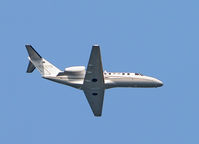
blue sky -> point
(156, 38)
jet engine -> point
(75, 71)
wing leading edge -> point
(93, 86)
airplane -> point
(93, 81)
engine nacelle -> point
(75, 71)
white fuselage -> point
(111, 80)
(93, 81)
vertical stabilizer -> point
(42, 65)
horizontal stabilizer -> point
(30, 68)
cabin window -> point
(128, 73)
(109, 73)
(123, 73)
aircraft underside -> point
(93, 81)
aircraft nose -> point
(158, 83)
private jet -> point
(93, 81)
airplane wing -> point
(95, 101)
(93, 86)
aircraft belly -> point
(76, 83)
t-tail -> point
(43, 66)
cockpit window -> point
(138, 74)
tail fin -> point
(42, 65)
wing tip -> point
(95, 45)
(97, 115)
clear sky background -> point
(155, 38)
